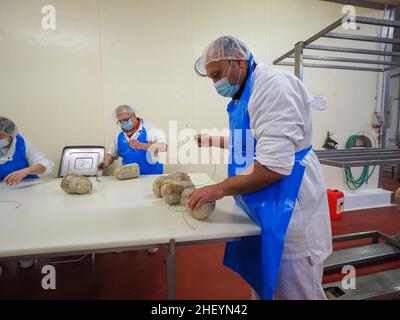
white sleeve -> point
(113, 149)
(277, 122)
(34, 157)
(154, 134)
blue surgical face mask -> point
(127, 125)
(4, 143)
(224, 88)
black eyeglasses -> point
(124, 120)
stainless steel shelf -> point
(297, 51)
(367, 60)
(347, 158)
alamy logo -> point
(49, 18)
(49, 280)
(349, 21)
(349, 280)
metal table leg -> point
(171, 281)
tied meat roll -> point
(203, 212)
(76, 184)
(171, 191)
(128, 171)
(175, 189)
(160, 181)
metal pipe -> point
(350, 60)
(171, 275)
(357, 151)
(360, 3)
(345, 36)
(331, 66)
(377, 22)
(393, 68)
(283, 57)
(298, 60)
(356, 236)
(315, 37)
(353, 50)
(386, 87)
(324, 31)
(366, 157)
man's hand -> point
(203, 195)
(103, 165)
(135, 144)
(203, 140)
(108, 160)
(206, 141)
(16, 177)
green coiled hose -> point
(352, 182)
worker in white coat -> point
(20, 160)
(138, 141)
(273, 174)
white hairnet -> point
(225, 48)
(8, 127)
(124, 108)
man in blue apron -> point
(138, 141)
(273, 174)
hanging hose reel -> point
(358, 141)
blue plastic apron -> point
(257, 258)
(18, 161)
(130, 155)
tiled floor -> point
(200, 273)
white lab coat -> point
(301, 281)
(280, 117)
(32, 153)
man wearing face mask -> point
(273, 175)
(19, 159)
(138, 142)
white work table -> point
(123, 215)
